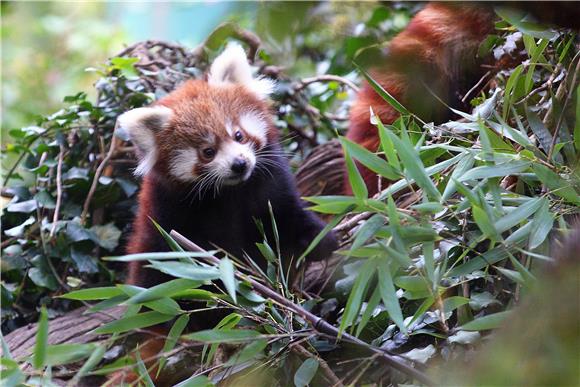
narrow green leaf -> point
(247, 353)
(144, 376)
(305, 372)
(556, 184)
(499, 170)
(389, 296)
(369, 159)
(357, 294)
(490, 321)
(93, 360)
(414, 166)
(541, 225)
(228, 277)
(510, 84)
(163, 290)
(168, 238)
(322, 234)
(454, 302)
(387, 146)
(172, 337)
(484, 223)
(90, 294)
(41, 343)
(267, 252)
(368, 230)
(159, 256)
(142, 320)
(223, 335)
(196, 381)
(520, 214)
(369, 308)
(383, 93)
(464, 164)
(68, 353)
(355, 179)
(187, 270)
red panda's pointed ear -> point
(139, 125)
(232, 67)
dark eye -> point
(238, 136)
(209, 153)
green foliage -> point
(437, 259)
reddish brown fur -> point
(439, 44)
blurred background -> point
(48, 46)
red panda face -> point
(205, 133)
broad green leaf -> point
(518, 215)
(389, 296)
(163, 290)
(490, 321)
(228, 277)
(368, 230)
(556, 184)
(454, 302)
(369, 159)
(247, 353)
(305, 372)
(516, 17)
(103, 293)
(68, 353)
(541, 225)
(484, 222)
(138, 321)
(513, 275)
(223, 335)
(464, 164)
(41, 343)
(499, 170)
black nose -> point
(239, 166)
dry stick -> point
(327, 78)
(317, 323)
(562, 113)
(95, 183)
(58, 191)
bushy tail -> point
(433, 55)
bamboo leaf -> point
(382, 92)
(369, 159)
(163, 290)
(90, 294)
(357, 294)
(305, 372)
(41, 343)
(142, 320)
(227, 275)
(389, 296)
(490, 321)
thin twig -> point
(326, 78)
(476, 86)
(58, 191)
(95, 183)
(317, 323)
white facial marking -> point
(182, 165)
(228, 152)
(139, 125)
(255, 125)
(230, 128)
(232, 67)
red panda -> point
(211, 166)
(211, 162)
(434, 53)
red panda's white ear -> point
(139, 125)
(232, 67)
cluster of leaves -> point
(437, 259)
